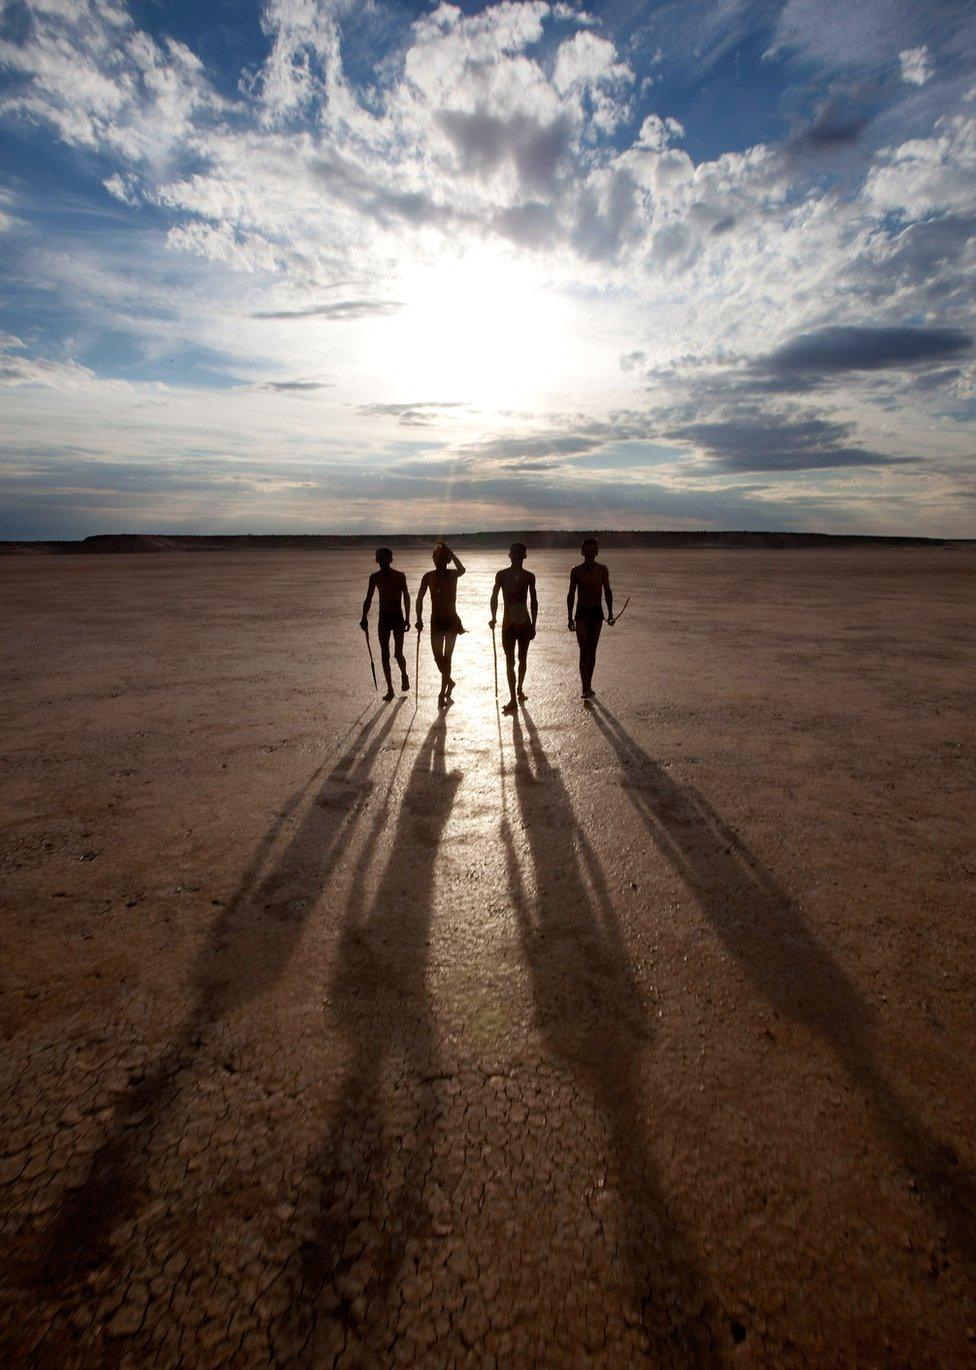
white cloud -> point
(16, 369)
(916, 66)
(927, 175)
(103, 83)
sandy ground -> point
(341, 1029)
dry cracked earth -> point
(337, 1032)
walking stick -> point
(416, 670)
(372, 665)
(494, 653)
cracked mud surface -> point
(342, 1032)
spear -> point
(416, 672)
(494, 653)
(372, 664)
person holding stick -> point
(444, 622)
(394, 616)
(589, 583)
(518, 628)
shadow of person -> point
(375, 1160)
(782, 959)
(246, 951)
(589, 1007)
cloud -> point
(47, 373)
(840, 348)
(415, 414)
(927, 175)
(755, 440)
(485, 141)
(291, 387)
(334, 309)
(101, 82)
(344, 179)
(916, 65)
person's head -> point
(517, 553)
(590, 548)
(440, 555)
(384, 557)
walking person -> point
(394, 615)
(444, 622)
(516, 585)
(589, 584)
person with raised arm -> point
(444, 622)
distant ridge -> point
(108, 543)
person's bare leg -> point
(437, 647)
(582, 638)
(449, 641)
(594, 639)
(385, 660)
(400, 660)
(509, 648)
(523, 663)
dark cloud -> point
(532, 225)
(630, 361)
(412, 414)
(605, 223)
(292, 387)
(755, 441)
(544, 445)
(931, 261)
(829, 131)
(850, 348)
(337, 309)
(483, 141)
(935, 380)
(351, 185)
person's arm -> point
(367, 602)
(494, 599)
(570, 598)
(533, 600)
(460, 568)
(420, 602)
(608, 593)
(406, 601)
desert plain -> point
(337, 1031)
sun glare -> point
(481, 329)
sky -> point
(335, 266)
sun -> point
(482, 329)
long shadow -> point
(247, 949)
(589, 1006)
(375, 1159)
(783, 960)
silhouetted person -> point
(518, 625)
(588, 583)
(444, 622)
(394, 616)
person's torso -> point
(389, 585)
(589, 583)
(515, 590)
(443, 591)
